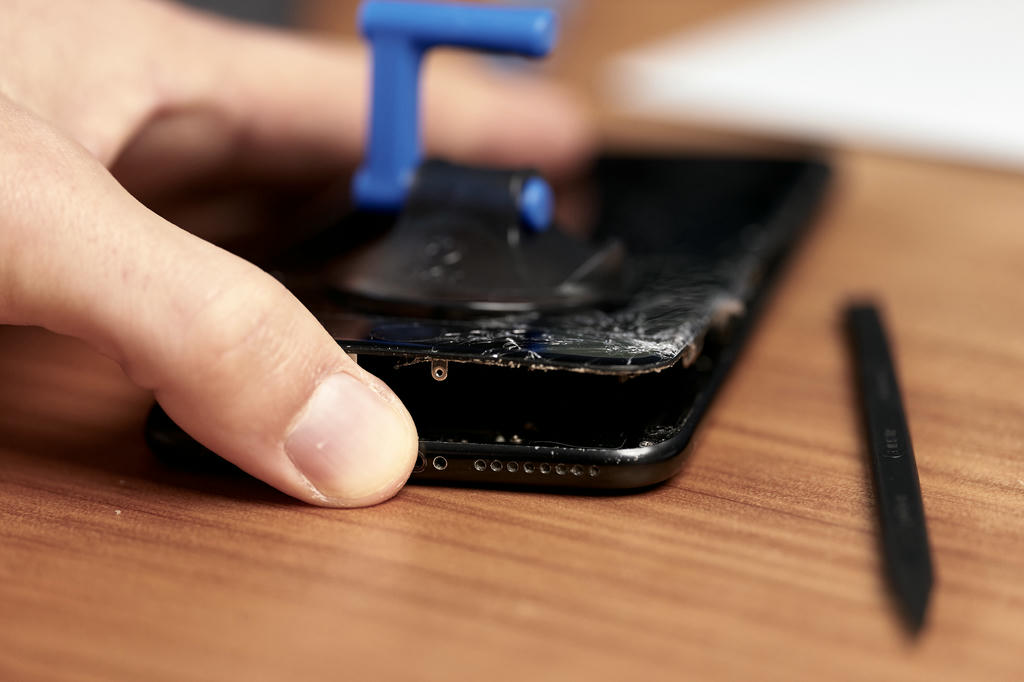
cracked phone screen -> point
(699, 234)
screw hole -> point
(480, 465)
(496, 465)
(440, 463)
(512, 467)
(529, 467)
(421, 464)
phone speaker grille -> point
(498, 467)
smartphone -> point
(603, 398)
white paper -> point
(940, 77)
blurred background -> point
(279, 12)
(928, 78)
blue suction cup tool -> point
(466, 239)
(400, 33)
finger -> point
(291, 105)
(229, 353)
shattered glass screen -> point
(699, 234)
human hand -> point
(101, 97)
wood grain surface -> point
(760, 561)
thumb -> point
(231, 355)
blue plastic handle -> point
(400, 33)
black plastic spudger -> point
(897, 488)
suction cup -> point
(461, 248)
(466, 240)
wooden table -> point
(760, 561)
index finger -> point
(294, 101)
